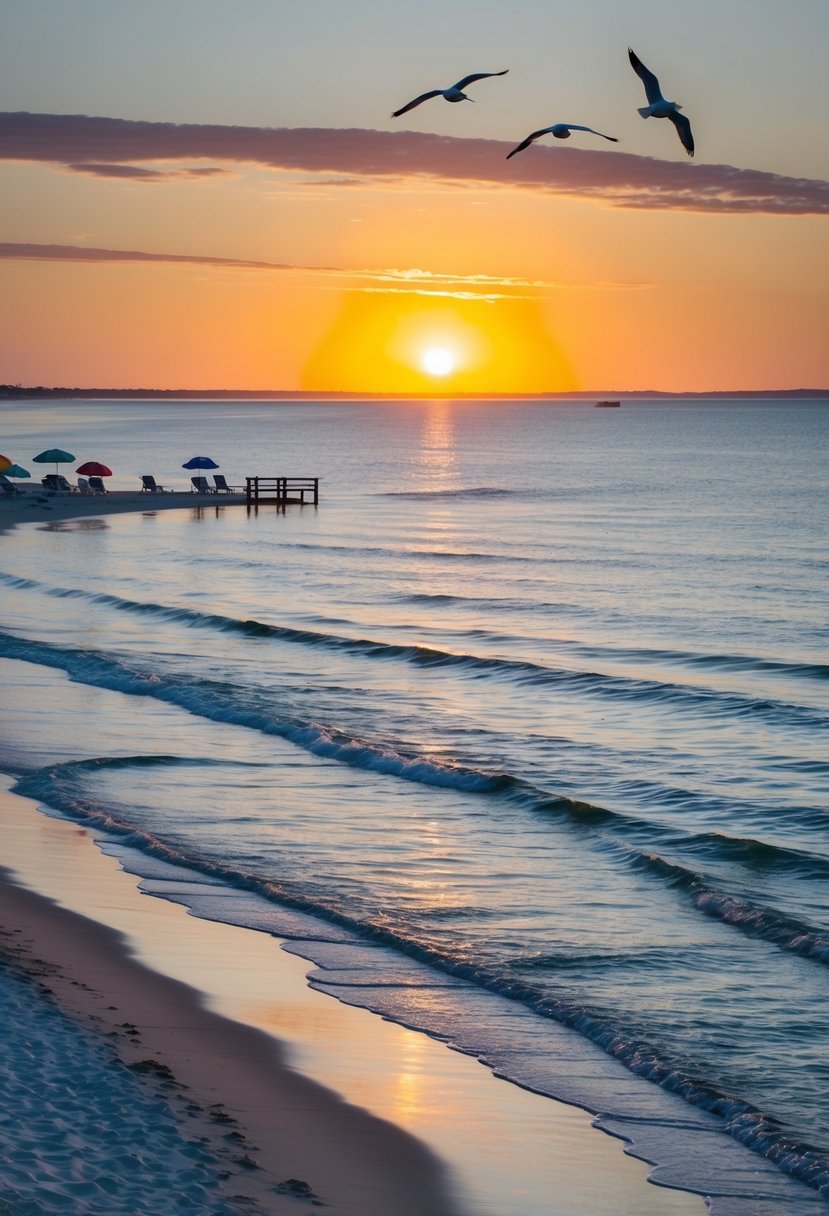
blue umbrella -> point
(54, 455)
(15, 470)
(200, 462)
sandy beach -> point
(235, 1077)
(33, 504)
(223, 1023)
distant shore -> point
(16, 392)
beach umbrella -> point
(14, 470)
(54, 456)
(200, 462)
(5, 463)
(93, 468)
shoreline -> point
(237, 1074)
(233, 1019)
(31, 506)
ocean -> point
(520, 736)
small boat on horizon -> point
(607, 405)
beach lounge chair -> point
(9, 488)
(201, 486)
(149, 483)
(223, 488)
(83, 486)
(57, 483)
(96, 485)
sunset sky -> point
(199, 194)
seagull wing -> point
(525, 143)
(683, 130)
(423, 97)
(575, 127)
(477, 76)
(652, 89)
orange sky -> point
(282, 255)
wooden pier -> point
(282, 490)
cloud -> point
(22, 251)
(141, 174)
(474, 286)
(84, 144)
(415, 275)
(391, 280)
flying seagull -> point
(560, 130)
(455, 92)
(658, 107)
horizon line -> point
(10, 391)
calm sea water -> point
(521, 736)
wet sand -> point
(358, 1111)
(292, 1129)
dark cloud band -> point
(118, 147)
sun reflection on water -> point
(436, 458)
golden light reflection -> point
(436, 457)
(379, 342)
(407, 1091)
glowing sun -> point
(438, 361)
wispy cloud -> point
(474, 286)
(415, 275)
(23, 251)
(141, 174)
(389, 279)
(87, 144)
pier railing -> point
(282, 489)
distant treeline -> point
(18, 392)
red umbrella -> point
(94, 468)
